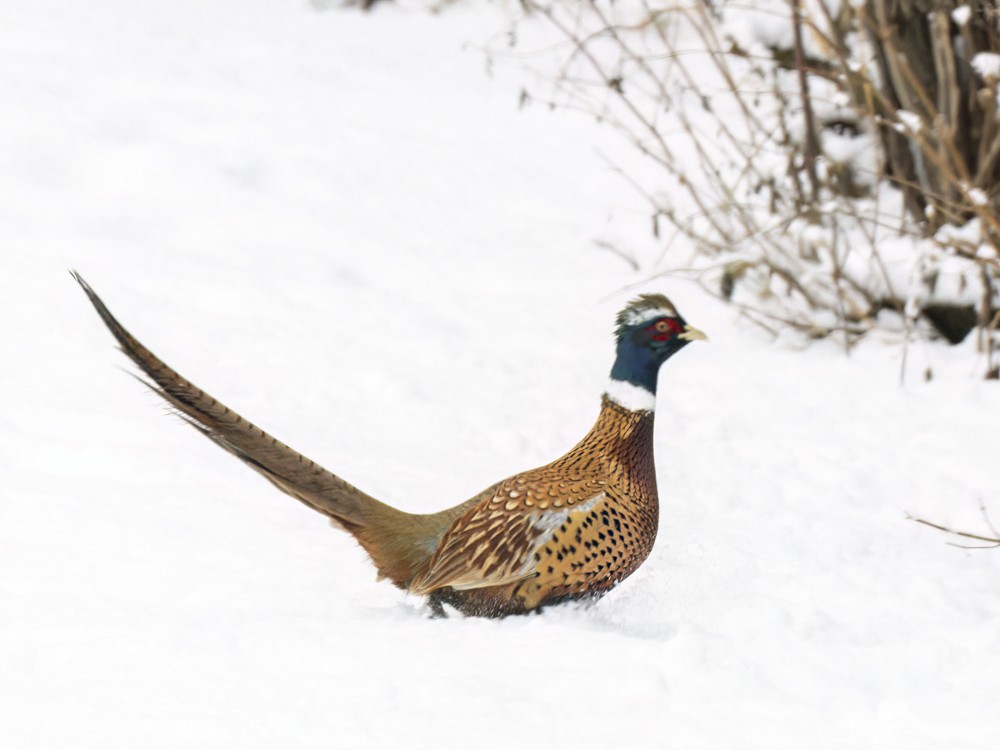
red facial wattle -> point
(663, 329)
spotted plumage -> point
(573, 528)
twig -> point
(618, 252)
(812, 146)
(994, 541)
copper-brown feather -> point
(572, 528)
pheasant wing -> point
(496, 541)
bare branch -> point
(994, 541)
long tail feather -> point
(290, 471)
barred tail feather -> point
(289, 470)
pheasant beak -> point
(692, 334)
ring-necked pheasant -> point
(571, 529)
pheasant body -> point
(571, 529)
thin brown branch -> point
(811, 145)
(994, 541)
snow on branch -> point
(808, 153)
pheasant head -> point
(649, 332)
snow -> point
(911, 121)
(961, 14)
(987, 65)
(977, 197)
(342, 227)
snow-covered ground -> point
(341, 226)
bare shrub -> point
(834, 165)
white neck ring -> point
(632, 397)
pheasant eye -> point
(662, 326)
